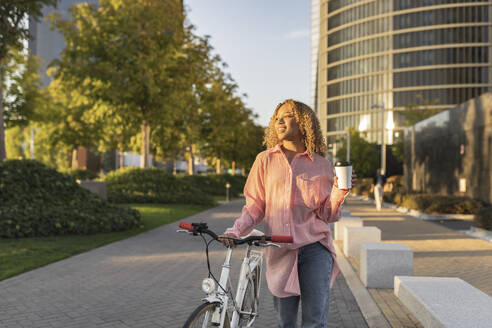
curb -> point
(370, 310)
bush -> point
(137, 185)
(363, 187)
(483, 217)
(36, 200)
(81, 174)
(428, 203)
(215, 184)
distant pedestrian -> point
(378, 186)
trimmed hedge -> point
(36, 200)
(81, 174)
(483, 217)
(137, 185)
(215, 184)
(427, 203)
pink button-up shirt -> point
(296, 199)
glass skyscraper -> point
(395, 53)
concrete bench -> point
(348, 221)
(380, 263)
(444, 302)
(354, 236)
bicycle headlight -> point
(208, 285)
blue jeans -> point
(314, 268)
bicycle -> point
(219, 303)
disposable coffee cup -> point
(343, 170)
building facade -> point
(47, 43)
(372, 54)
(451, 153)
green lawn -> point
(24, 254)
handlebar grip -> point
(282, 239)
(186, 225)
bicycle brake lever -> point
(266, 245)
(183, 230)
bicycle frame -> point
(250, 262)
(250, 272)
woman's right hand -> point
(227, 241)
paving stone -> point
(149, 280)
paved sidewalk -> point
(438, 251)
(150, 280)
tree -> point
(69, 118)
(364, 155)
(192, 73)
(122, 53)
(414, 113)
(23, 95)
(13, 31)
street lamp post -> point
(348, 146)
(383, 143)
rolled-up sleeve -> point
(254, 192)
(331, 209)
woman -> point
(292, 187)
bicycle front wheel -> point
(200, 318)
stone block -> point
(348, 221)
(444, 302)
(354, 236)
(380, 263)
(97, 187)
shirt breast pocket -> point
(311, 190)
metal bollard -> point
(228, 185)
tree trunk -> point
(75, 160)
(3, 153)
(218, 169)
(175, 163)
(122, 158)
(69, 158)
(145, 144)
(191, 160)
(233, 168)
(243, 172)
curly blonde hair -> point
(308, 126)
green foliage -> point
(399, 150)
(23, 254)
(13, 31)
(364, 155)
(12, 28)
(16, 139)
(427, 203)
(137, 185)
(122, 53)
(39, 201)
(483, 217)
(363, 187)
(422, 109)
(81, 174)
(215, 184)
(23, 96)
(436, 204)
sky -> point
(266, 44)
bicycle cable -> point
(210, 274)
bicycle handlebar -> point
(202, 228)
